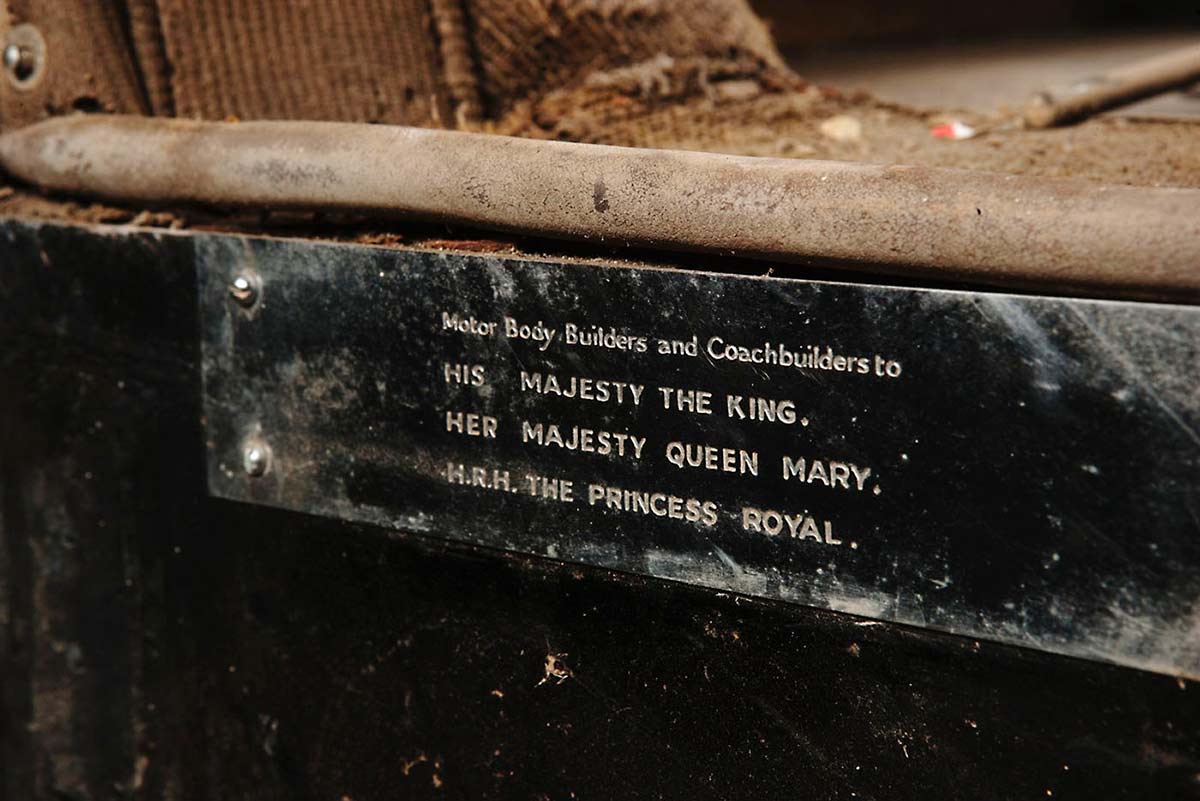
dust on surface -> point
(556, 669)
(744, 107)
(27, 204)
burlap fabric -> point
(445, 63)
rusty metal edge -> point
(942, 224)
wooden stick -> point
(1130, 83)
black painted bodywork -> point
(162, 643)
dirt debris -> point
(842, 128)
(678, 104)
(556, 668)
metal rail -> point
(938, 223)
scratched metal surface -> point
(1033, 466)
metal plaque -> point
(1022, 469)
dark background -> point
(834, 24)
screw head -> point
(19, 61)
(244, 290)
(24, 56)
(256, 459)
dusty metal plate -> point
(1016, 468)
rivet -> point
(244, 290)
(18, 60)
(24, 52)
(256, 458)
